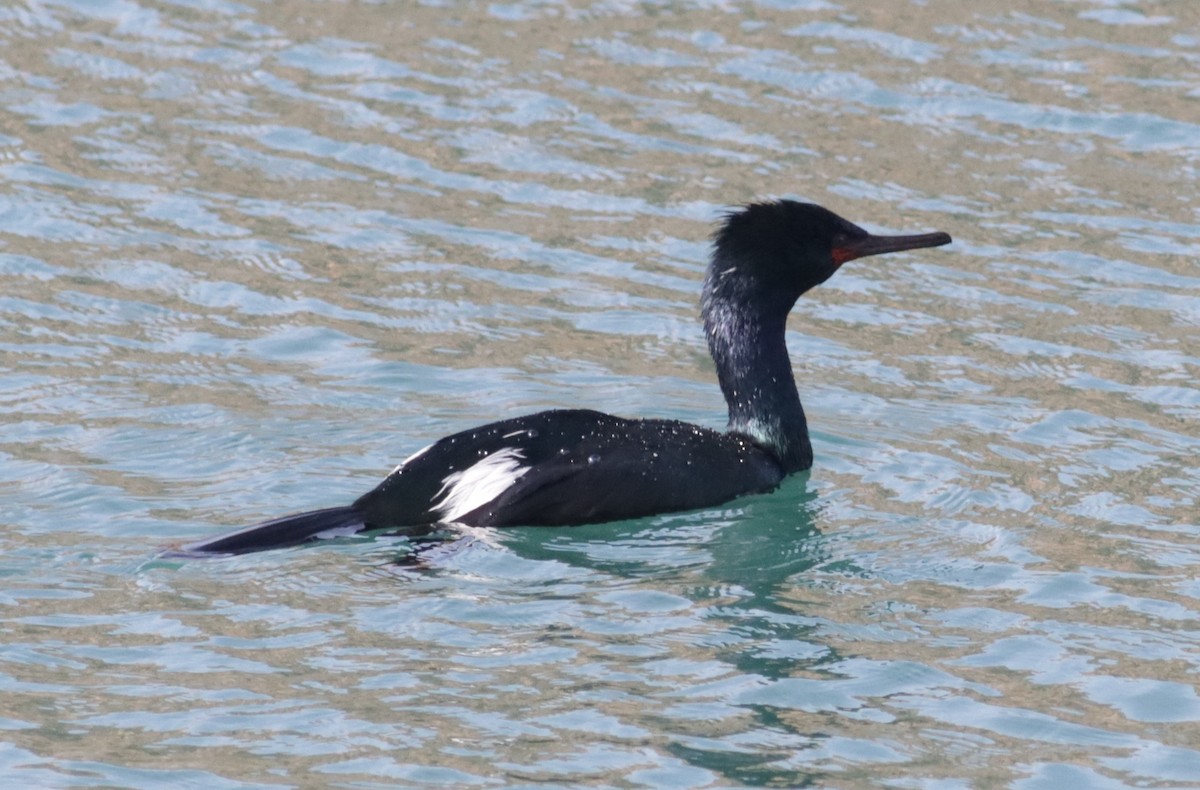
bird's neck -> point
(755, 372)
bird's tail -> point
(279, 533)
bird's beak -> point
(862, 246)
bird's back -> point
(567, 467)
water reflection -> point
(250, 257)
(735, 574)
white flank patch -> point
(477, 485)
(410, 459)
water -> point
(252, 255)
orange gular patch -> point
(842, 254)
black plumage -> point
(576, 466)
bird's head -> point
(777, 250)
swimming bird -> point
(575, 466)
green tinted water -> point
(252, 256)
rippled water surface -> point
(253, 254)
